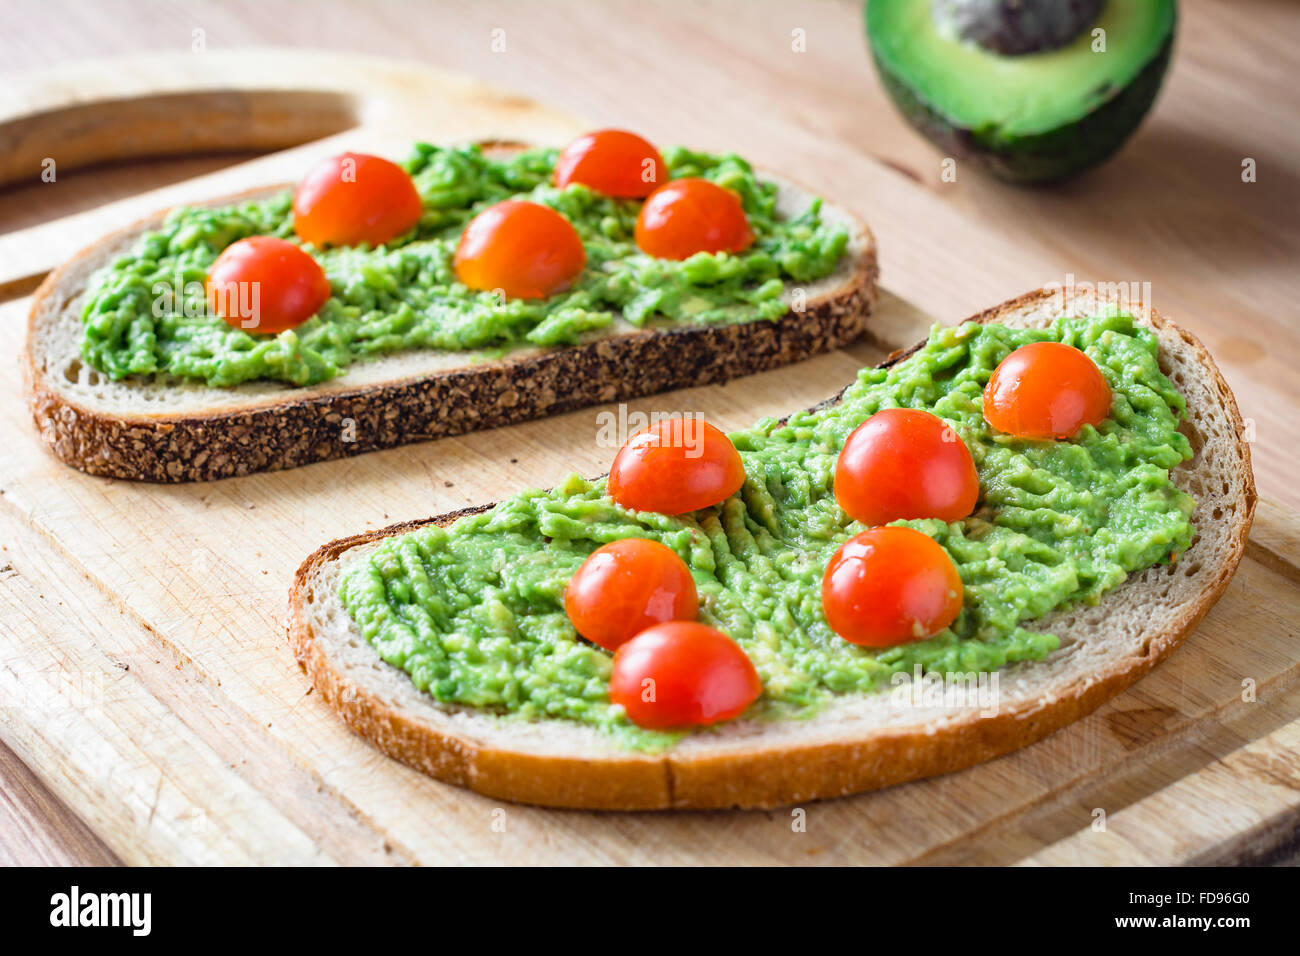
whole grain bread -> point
(858, 742)
(171, 430)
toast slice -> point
(858, 742)
(176, 430)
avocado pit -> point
(1016, 27)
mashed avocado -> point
(474, 612)
(404, 295)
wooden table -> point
(1219, 254)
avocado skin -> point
(1045, 157)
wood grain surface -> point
(197, 739)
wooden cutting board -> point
(144, 675)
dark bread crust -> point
(292, 432)
(289, 430)
(758, 776)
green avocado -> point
(1029, 90)
(474, 612)
(145, 313)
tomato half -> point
(613, 162)
(686, 216)
(355, 197)
(682, 674)
(905, 463)
(890, 586)
(627, 586)
(526, 250)
(1046, 390)
(264, 284)
(675, 466)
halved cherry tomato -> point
(1046, 390)
(627, 586)
(355, 197)
(526, 250)
(889, 586)
(613, 162)
(682, 674)
(905, 463)
(264, 284)
(687, 216)
(675, 466)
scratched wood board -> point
(145, 679)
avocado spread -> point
(474, 612)
(145, 314)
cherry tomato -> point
(682, 674)
(905, 463)
(355, 198)
(612, 162)
(675, 466)
(525, 250)
(686, 216)
(627, 586)
(264, 284)
(890, 586)
(1046, 390)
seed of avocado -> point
(1015, 27)
(1028, 90)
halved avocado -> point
(1047, 112)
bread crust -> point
(757, 776)
(300, 428)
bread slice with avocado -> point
(859, 741)
(169, 429)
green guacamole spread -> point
(405, 296)
(474, 612)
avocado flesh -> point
(1033, 117)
